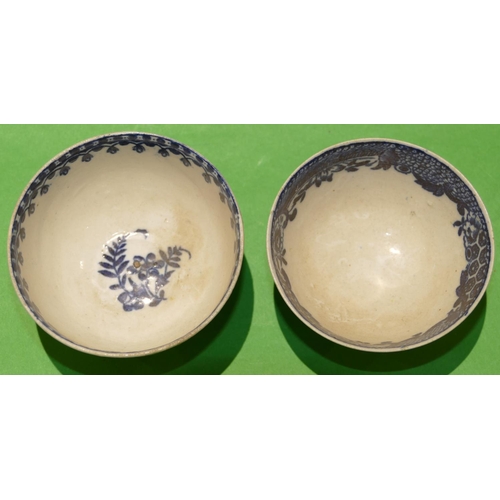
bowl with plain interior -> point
(125, 245)
(380, 245)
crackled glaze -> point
(121, 222)
(379, 245)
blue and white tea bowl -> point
(125, 245)
(380, 245)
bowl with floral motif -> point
(125, 244)
(380, 245)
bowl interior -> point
(125, 244)
(379, 245)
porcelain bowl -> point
(125, 245)
(380, 245)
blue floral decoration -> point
(142, 282)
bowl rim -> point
(144, 352)
(383, 349)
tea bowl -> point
(125, 245)
(379, 245)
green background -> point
(255, 333)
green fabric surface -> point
(255, 333)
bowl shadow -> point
(209, 352)
(327, 358)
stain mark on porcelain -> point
(142, 282)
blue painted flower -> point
(146, 267)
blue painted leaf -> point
(123, 279)
(114, 287)
(167, 275)
(300, 197)
(162, 293)
(123, 297)
(111, 251)
(173, 264)
(108, 274)
(154, 302)
(138, 305)
(122, 267)
(107, 257)
(119, 260)
(128, 307)
(106, 265)
(163, 255)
